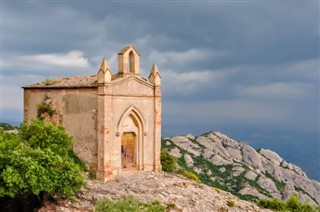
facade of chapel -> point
(114, 119)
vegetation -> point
(280, 185)
(168, 162)
(38, 161)
(230, 203)
(43, 109)
(48, 82)
(128, 204)
(6, 126)
(218, 176)
(190, 175)
(292, 204)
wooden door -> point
(128, 150)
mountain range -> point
(234, 166)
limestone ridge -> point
(173, 191)
(238, 168)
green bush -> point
(189, 175)
(38, 160)
(230, 203)
(277, 204)
(292, 204)
(168, 162)
(44, 108)
(128, 204)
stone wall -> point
(77, 112)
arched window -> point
(131, 62)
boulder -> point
(188, 160)
(250, 175)
(272, 156)
(176, 152)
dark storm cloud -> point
(224, 62)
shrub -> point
(217, 190)
(230, 203)
(274, 204)
(170, 205)
(48, 82)
(168, 162)
(189, 175)
(277, 204)
(44, 108)
(292, 204)
(128, 204)
(38, 160)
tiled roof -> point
(67, 82)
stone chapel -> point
(114, 119)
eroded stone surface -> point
(221, 150)
(187, 195)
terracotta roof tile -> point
(67, 82)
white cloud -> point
(278, 90)
(49, 65)
(71, 59)
(190, 82)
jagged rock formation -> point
(222, 162)
(177, 192)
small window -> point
(131, 62)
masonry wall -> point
(77, 108)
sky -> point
(247, 68)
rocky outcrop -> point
(173, 191)
(237, 167)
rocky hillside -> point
(175, 192)
(8, 127)
(224, 163)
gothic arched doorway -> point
(132, 130)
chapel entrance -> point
(128, 150)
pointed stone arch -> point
(132, 60)
(132, 110)
(128, 61)
(134, 115)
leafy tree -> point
(38, 160)
(39, 134)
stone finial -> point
(154, 76)
(104, 74)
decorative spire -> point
(154, 76)
(104, 74)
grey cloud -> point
(206, 51)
